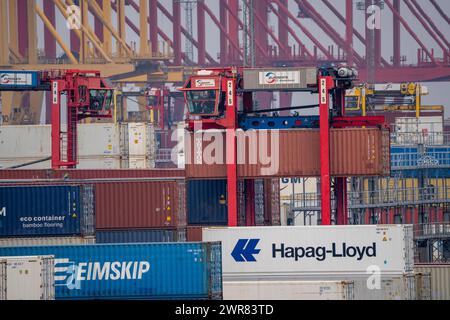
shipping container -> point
(194, 233)
(98, 139)
(55, 210)
(207, 202)
(279, 78)
(133, 271)
(140, 204)
(288, 290)
(284, 153)
(140, 236)
(274, 253)
(12, 80)
(439, 277)
(45, 241)
(30, 277)
(2, 279)
(86, 174)
(24, 142)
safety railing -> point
(432, 230)
(410, 158)
(398, 196)
(164, 155)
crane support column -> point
(56, 86)
(231, 150)
(325, 84)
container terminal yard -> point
(224, 150)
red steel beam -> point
(224, 56)
(98, 25)
(201, 32)
(441, 12)
(325, 84)
(284, 21)
(411, 32)
(321, 22)
(425, 25)
(223, 30)
(304, 30)
(349, 30)
(355, 32)
(22, 27)
(396, 36)
(431, 23)
(176, 21)
(283, 32)
(262, 18)
(232, 8)
(49, 40)
(153, 24)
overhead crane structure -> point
(272, 32)
(214, 98)
(87, 95)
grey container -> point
(140, 236)
(2, 279)
(45, 241)
(30, 277)
(439, 277)
(279, 78)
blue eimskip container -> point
(47, 211)
(133, 271)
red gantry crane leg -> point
(326, 83)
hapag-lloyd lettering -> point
(321, 253)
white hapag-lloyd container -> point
(2, 279)
(288, 290)
(315, 252)
(45, 241)
(30, 278)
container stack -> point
(378, 260)
(27, 278)
(131, 271)
(140, 211)
(42, 214)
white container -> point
(275, 253)
(439, 277)
(50, 241)
(24, 142)
(98, 139)
(99, 162)
(30, 278)
(288, 290)
(2, 279)
(10, 162)
(138, 163)
(426, 130)
(137, 139)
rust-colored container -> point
(134, 204)
(289, 153)
(194, 233)
(90, 174)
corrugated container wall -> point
(90, 174)
(44, 241)
(207, 202)
(140, 236)
(288, 290)
(133, 271)
(30, 278)
(440, 279)
(140, 204)
(46, 211)
(289, 153)
(2, 279)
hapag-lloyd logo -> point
(254, 147)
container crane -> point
(87, 96)
(213, 97)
